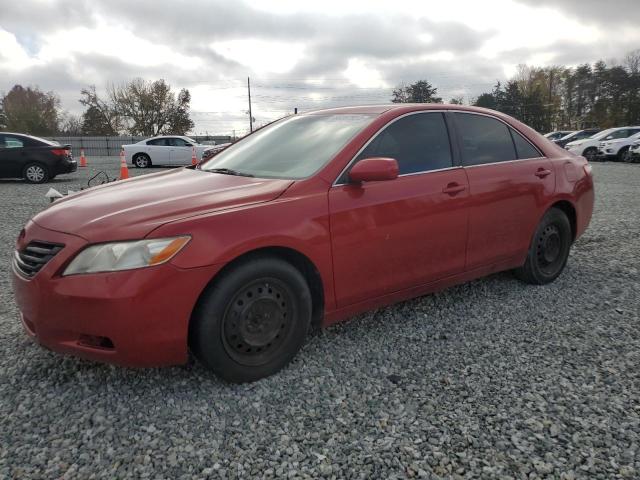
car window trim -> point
(392, 121)
(509, 127)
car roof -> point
(384, 108)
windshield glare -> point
(294, 148)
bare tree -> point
(151, 108)
(101, 117)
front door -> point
(180, 152)
(391, 235)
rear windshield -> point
(293, 148)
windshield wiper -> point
(228, 171)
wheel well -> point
(141, 154)
(301, 262)
(570, 211)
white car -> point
(617, 149)
(589, 147)
(633, 156)
(163, 150)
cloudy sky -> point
(297, 53)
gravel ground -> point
(491, 379)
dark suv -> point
(35, 159)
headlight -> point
(112, 257)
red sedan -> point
(306, 222)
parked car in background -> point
(307, 221)
(617, 148)
(210, 152)
(634, 153)
(163, 150)
(557, 135)
(578, 135)
(34, 159)
(589, 147)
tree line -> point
(558, 97)
(137, 107)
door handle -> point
(453, 189)
(542, 172)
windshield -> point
(602, 134)
(294, 148)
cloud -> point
(609, 14)
(298, 54)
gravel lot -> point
(491, 379)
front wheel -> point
(549, 249)
(625, 156)
(252, 321)
(591, 154)
(35, 173)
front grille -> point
(34, 256)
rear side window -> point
(418, 142)
(483, 140)
(8, 141)
(158, 142)
(523, 148)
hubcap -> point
(549, 249)
(257, 321)
(141, 161)
(35, 173)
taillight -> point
(62, 152)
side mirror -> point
(374, 169)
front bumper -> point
(143, 313)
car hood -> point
(132, 208)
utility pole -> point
(250, 114)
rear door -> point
(12, 155)
(510, 184)
(391, 235)
(180, 151)
(159, 150)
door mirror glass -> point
(374, 170)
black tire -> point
(35, 173)
(549, 249)
(624, 155)
(591, 154)
(252, 321)
(142, 160)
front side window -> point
(418, 142)
(624, 133)
(293, 148)
(483, 140)
(179, 142)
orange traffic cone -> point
(194, 160)
(124, 171)
(83, 159)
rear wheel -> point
(142, 160)
(35, 173)
(549, 249)
(252, 321)
(591, 154)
